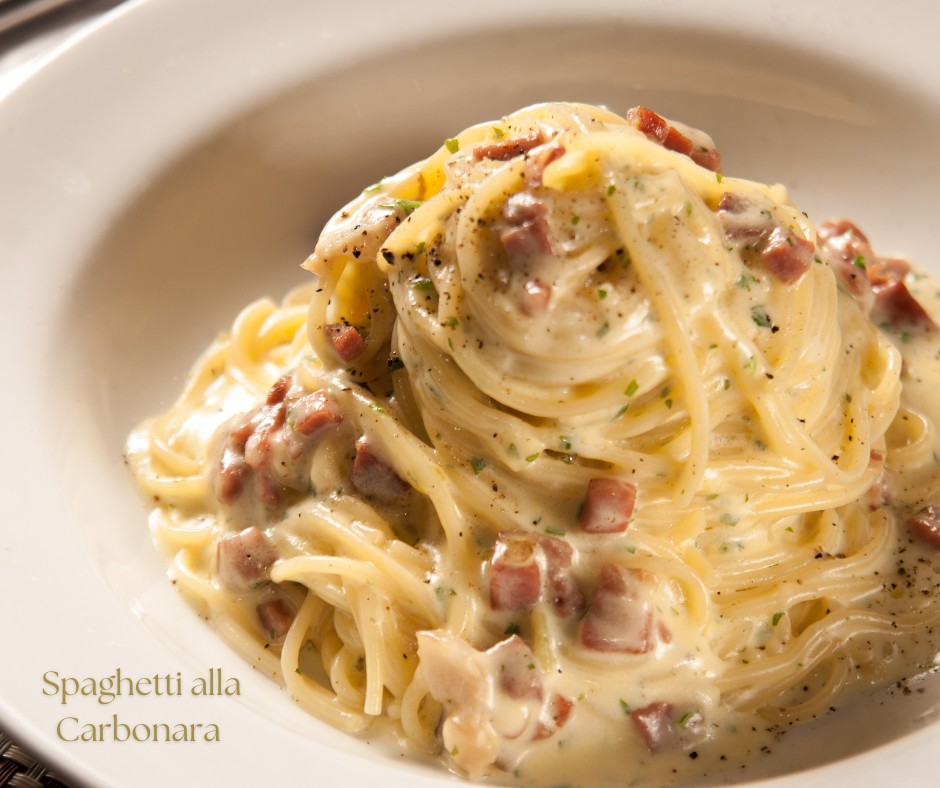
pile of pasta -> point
(572, 442)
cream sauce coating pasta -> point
(576, 461)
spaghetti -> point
(572, 444)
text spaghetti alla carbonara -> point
(575, 461)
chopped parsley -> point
(760, 317)
(452, 144)
(631, 388)
(407, 206)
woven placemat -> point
(18, 769)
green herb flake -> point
(718, 177)
(776, 619)
(625, 706)
(395, 364)
(859, 261)
(726, 384)
(575, 219)
(452, 321)
(419, 249)
(423, 283)
(565, 442)
(601, 294)
(478, 464)
(620, 412)
(556, 531)
(406, 206)
(498, 132)
(729, 519)
(611, 190)
(760, 317)
(686, 718)
(452, 144)
(631, 388)
(602, 331)
(533, 457)
(512, 629)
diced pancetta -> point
(783, 253)
(509, 148)
(895, 306)
(527, 568)
(375, 478)
(608, 506)
(516, 669)
(265, 451)
(678, 137)
(847, 251)
(656, 726)
(535, 297)
(620, 616)
(878, 282)
(346, 341)
(925, 525)
(561, 587)
(786, 255)
(527, 235)
(515, 578)
(245, 559)
(554, 716)
(275, 618)
(312, 413)
(541, 157)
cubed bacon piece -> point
(258, 446)
(313, 413)
(848, 252)
(656, 726)
(744, 219)
(233, 475)
(522, 207)
(509, 148)
(894, 305)
(375, 478)
(620, 616)
(563, 590)
(536, 163)
(554, 716)
(786, 255)
(279, 390)
(346, 341)
(516, 668)
(608, 506)
(515, 577)
(527, 235)
(925, 525)
(535, 297)
(887, 269)
(693, 143)
(275, 618)
(527, 568)
(245, 559)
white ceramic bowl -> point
(177, 160)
